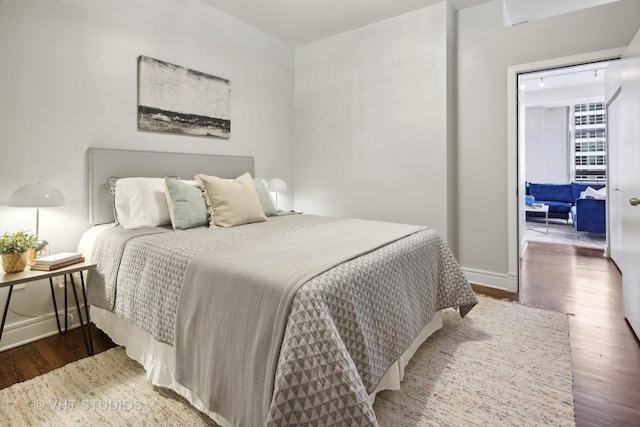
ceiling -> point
(520, 11)
(298, 22)
(564, 86)
(302, 21)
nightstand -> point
(27, 276)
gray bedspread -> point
(346, 326)
(259, 280)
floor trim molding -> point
(30, 330)
(490, 279)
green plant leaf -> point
(15, 243)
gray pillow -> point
(187, 207)
(266, 201)
(111, 186)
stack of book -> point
(53, 262)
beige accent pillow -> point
(232, 202)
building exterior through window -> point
(589, 143)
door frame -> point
(515, 187)
(608, 103)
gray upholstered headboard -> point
(105, 163)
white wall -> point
(612, 80)
(615, 157)
(546, 145)
(485, 50)
(373, 133)
(68, 81)
(534, 144)
(556, 140)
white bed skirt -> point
(158, 360)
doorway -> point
(515, 190)
(562, 150)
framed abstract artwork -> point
(180, 100)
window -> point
(591, 119)
(591, 160)
(589, 143)
(594, 106)
(585, 134)
(587, 146)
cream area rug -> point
(564, 234)
(505, 364)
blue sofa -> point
(590, 215)
(563, 200)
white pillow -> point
(595, 194)
(141, 203)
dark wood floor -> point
(605, 353)
(604, 350)
(30, 360)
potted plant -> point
(15, 249)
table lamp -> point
(37, 196)
(277, 185)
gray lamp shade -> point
(36, 196)
(277, 185)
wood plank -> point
(30, 360)
(605, 352)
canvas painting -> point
(176, 99)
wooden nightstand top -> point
(9, 279)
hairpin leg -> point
(55, 305)
(86, 309)
(66, 310)
(6, 309)
(87, 344)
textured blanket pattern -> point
(107, 253)
(150, 269)
(258, 281)
(346, 325)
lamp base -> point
(42, 248)
(32, 256)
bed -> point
(294, 320)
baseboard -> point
(489, 279)
(26, 331)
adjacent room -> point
(565, 155)
(290, 212)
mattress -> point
(367, 314)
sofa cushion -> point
(577, 188)
(552, 192)
(590, 215)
